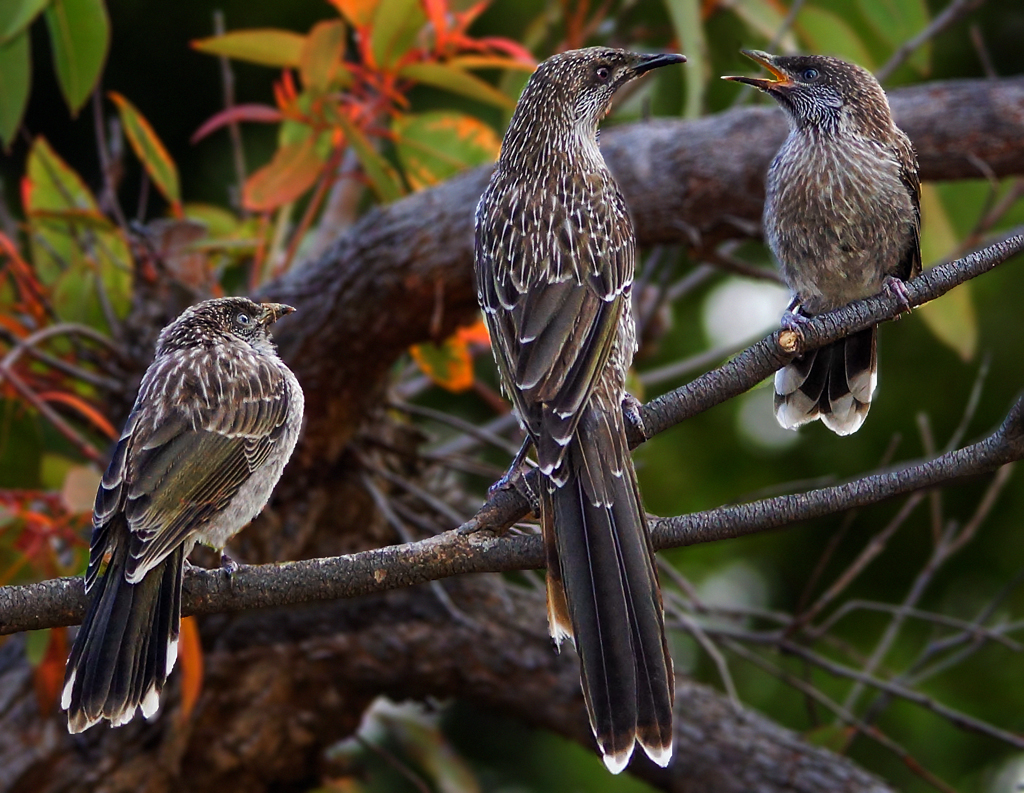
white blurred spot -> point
(738, 585)
(741, 309)
(1010, 778)
(756, 422)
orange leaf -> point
(150, 150)
(292, 171)
(358, 12)
(475, 333)
(437, 12)
(48, 675)
(449, 365)
(190, 655)
(98, 419)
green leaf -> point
(36, 643)
(457, 81)
(265, 46)
(21, 446)
(15, 82)
(686, 20)
(827, 33)
(321, 64)
(435, 146)
(952, 318)
(80, 36)
(150, 150)
(16, 15)
(896, 21)
(219, 222)
(76, 250)
(292, 171)
(382, 177)
(396, 23)
(763, 18)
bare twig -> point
(227, 80)
(950, 15)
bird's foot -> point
(507, 479)
(228, 565)
(513, 479)
(897, 288)
(631, 411)
(793, 320)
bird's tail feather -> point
(834, 383)
(126, 646)
(603, 591)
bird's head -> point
(573, 91)
(222, 320)
(816, 90)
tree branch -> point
(62, 601)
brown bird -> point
(554, 265)
(842, 215)
(215, 421)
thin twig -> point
(950, 15)
(844, 715)
(227, 80)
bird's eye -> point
(809, 74)
(243, 320)
(603, 73)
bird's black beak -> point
(764, 83)
(647, 62)
(272, 312)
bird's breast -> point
(837, 217)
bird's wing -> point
(552, 281)
(910, 265)
(203, 423)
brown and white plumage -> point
(554, 263)
(216, 419)
(842, 216)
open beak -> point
(648, 62)
(272, 312)
(764, 83)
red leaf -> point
(98, 419)
(291, 173)
(252, 112)
(48, 676)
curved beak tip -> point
(768, 62)
(649, 62)
(272, 312)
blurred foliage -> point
(368, 100)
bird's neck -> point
(548, 140)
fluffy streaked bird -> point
(842, 216)
(554, 265)
(215, 421)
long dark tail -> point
(834, 383)
(603, 592)
(126, 646)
